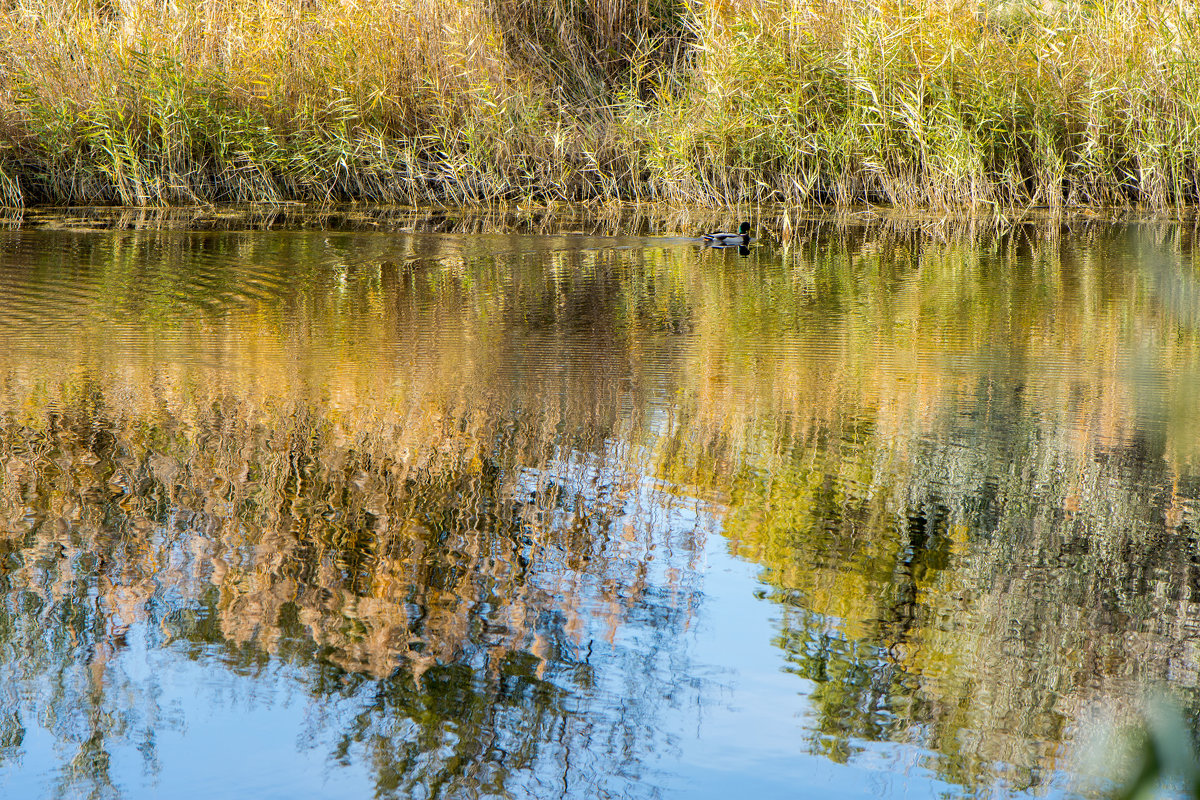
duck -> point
(739, 239)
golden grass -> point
(915, 103)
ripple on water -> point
(545, 515)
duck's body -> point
(739, 239)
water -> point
(417, 506)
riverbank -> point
(925, 104)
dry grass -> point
(934, 103)
(917, 103)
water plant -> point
(910, 103)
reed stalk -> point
(908, 103)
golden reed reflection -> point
(444, 462)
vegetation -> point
(913, 103)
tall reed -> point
(912, 103)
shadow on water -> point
(461, 496)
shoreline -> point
(776, 222)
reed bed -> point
(908, 103)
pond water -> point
(423, 506)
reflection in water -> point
(456, 495)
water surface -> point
(433, 507)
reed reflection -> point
(440, 584)
(335, 475)
(463, 485)
(981, 523)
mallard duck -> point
(739, 239)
